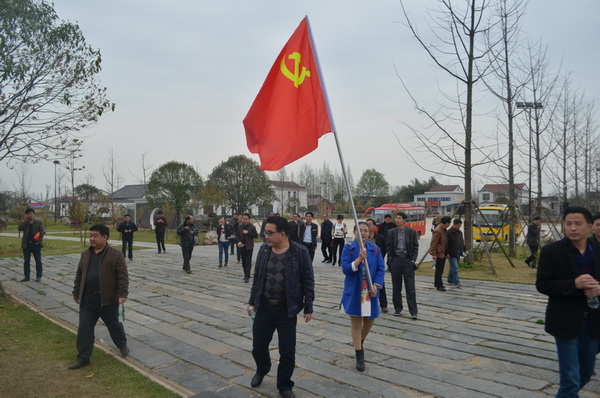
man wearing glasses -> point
(283, 285)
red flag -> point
(289, 113)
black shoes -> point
(24, 280)
(124, 351)
(324, 261)
(414, 317)
(246, 280)
(78, 364)
(220, 265)
(257, 380)
(287, 394)
(38, 279)
(441, 288)
(398, 313)
(360, 360)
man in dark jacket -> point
(32, 242)
(297, 228)
(101, 284)
(568, 273)
(455, 249)
(246, 234)
(283, 285)
(326, 238)
(533, 240)
(311, 231)
(187, 239)
(402, 252)
(127, 228)
(160, 226)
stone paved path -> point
(192, 332)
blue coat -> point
(353, 282)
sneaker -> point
(414, 317)
(398, 313)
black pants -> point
(383, 303)
(403, 269)
(326, 249)
(311, 250)
(89, 312)
(268, 319)
(186, 251)
(36, 250)
(160, 241)
(246, 261)
(439, 270)
(338, 246)
(128, 242)
(533, 250)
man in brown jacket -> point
(437, 249)
(101, 284)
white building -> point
(490, 193)
(443, 199)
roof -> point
(443, 188)
(500, 187)
(286, 184)
(314, 200)
(131, 192)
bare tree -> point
(505, 86)
(458, 49)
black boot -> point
(360, 360)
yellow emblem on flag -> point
(298, 76)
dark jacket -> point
(127, 226)
(566, 304)
(297, 231)
(186, 237)
(37, 227)
(455, 242)
(326, 230)
(299, 279)
(246, 239)
(114, 279)
(533, 235)
(384, 227)
(379, 240)
(314, 229)
(412, 243)
(160, 224)
(228, 232)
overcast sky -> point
(183, 75)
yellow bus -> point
(496, 216)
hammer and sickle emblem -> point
(298, 76)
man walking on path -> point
(101, 284)
(283, 285)
(533, 240)
(311, 231)
(127, 228)
(326, 238)
(402, 253)
(187, 239)
(437, 249)
(160, 226)
(568, 273)
(32, 242)
(246, 234)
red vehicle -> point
(416, 214)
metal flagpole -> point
(337, 143)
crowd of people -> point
(568, 272)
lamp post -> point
(56, 163)
(529, 106)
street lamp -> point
(529, 106)
(56, 163)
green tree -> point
(79, 214)
(174, 185)
(87, 193)
(372, 183)
(49, 88)
(406, 193)
(244, 184)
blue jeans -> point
(453, 272)
(223, 247)
(36, 250)
(576, 360)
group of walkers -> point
(568, 272)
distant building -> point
(320, 205)
(133, 199)
(443, 199)
(290, 197)
(498, 193)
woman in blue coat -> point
(357, 301)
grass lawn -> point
(481, 270)
(35, 353)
